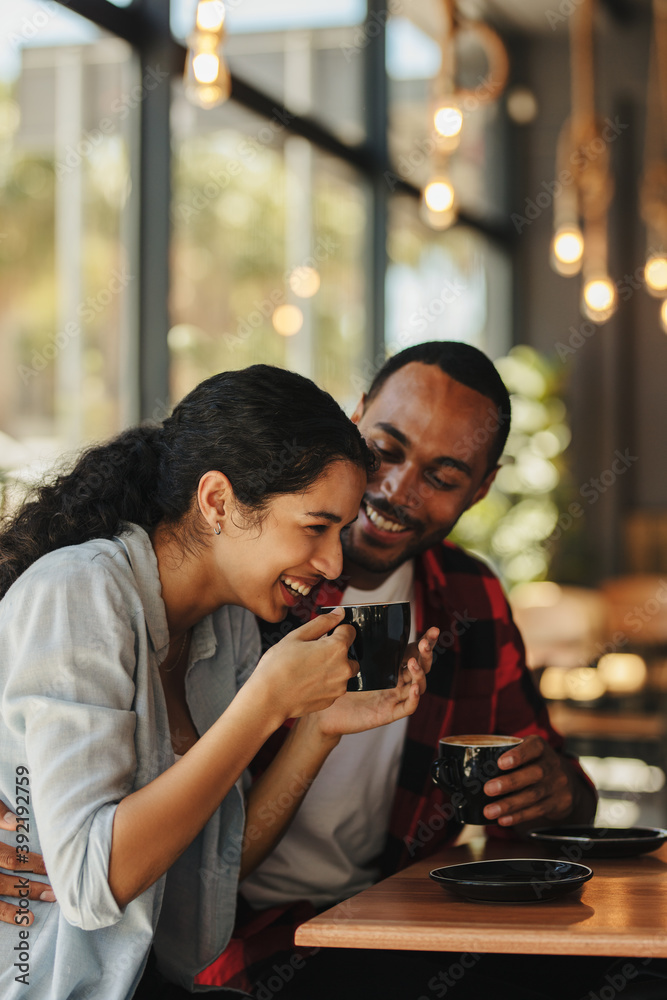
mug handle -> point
(443, 779)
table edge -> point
(378, 935)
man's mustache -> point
(397, 512)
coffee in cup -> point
(464, 765)
(381, 636)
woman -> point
(127, 641)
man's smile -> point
(377, 521)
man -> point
(438, 417)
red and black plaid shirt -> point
(478, 683)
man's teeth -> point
(382, 522)
(299, 588)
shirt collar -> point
(137, 546)
(141, 555)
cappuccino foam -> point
(482, 741)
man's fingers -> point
(18, 861)
(16, 885)
(515, 803)
(544, 807)
(522, 778)
(9, 913)
(7, 817)
(531, 748)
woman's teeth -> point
(382, 522)
(299, 588)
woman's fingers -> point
(413, 673)
(320, 625)
(426, 647)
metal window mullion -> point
(377, 118)
(157, 56)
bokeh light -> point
(287, 320)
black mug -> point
(382, 632)
(464, 765)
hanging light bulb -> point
(663, 315)
(599, 299)
(207, 79)
(655, 275)
(448, 120)
(210, 15)
(438, 205)
(439, 194)
(567, 250)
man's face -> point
(433, 437)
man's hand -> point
(16, 885)
(10, 885)
(7, 817)
(543, 787)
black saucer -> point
(512, 880)
(602, 841)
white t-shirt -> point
(332, 848)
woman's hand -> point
(422, 651)
(307, 670)
(357, 711)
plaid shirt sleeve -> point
(479, 683)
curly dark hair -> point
(269, 430)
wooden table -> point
(622, 910)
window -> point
(66, 268)
(288, 245)
(269, 242)
(454, 285)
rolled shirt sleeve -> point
(69, 697)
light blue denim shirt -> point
(82, 633)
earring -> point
(217, 528)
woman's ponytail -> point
(109, 484)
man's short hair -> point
(464, 364)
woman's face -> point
(269, 568)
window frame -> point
(145, 25)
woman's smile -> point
(297, 544)
(297, 585)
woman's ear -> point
(215, 499)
